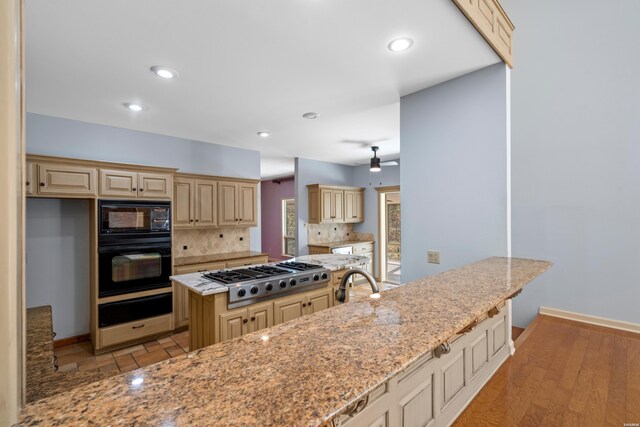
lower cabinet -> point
(433, 391)
(236, 323)
(295, 306)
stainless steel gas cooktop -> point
(260, 283)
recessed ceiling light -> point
(398, 45)
(164, 72)
(311, 115)
(264, 134)
(134, 106)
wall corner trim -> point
(592, 320)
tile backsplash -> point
(321, 233)
(208, 241)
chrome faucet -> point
(341, 293)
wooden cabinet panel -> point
(154, 185)
(260, 316)
(499, 332)
(206, 203)
(134, 330)
(358, 207)
(183, 203)
(247, 261)
(247, 204)
(335, 204)
(338, 205)
(66, 180)
(417, 407)
(326, 206)
(349, 206)
(479, 353)
(227, 203)
(314, 205)
(317, 301)
(232, 324)
(118, 183)
(30, 178)
(288, 308)
(181, 293)
(453, 377)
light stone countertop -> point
(295, 373)
(340, 244)
(203, 286)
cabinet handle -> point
(197, 220)
(304, 304)
(42, 184)
(190, 220)
(142, 189)
(240, 219)
(253, 318)
(133, 189)
(28, 183)
(138, 327)
(244, 320)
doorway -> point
(389, 234)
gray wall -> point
(453, 180)
(57, 270)
(314, 172)
(576, 154)
(54, 136)
(362, 177)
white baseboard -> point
(593, 320)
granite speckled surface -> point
(340, 244)
(204, 286)
(229, 256)
(42, 379)
(304, 372)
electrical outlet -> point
(241, 239)
(433, 257)
(221, 236)
(185, 247)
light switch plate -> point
(433, 257)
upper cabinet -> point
(194, 202)
(58, 179)
(132, 184)
(237, 203)
(330, 203)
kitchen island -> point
(334, 366)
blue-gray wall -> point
(57, 269)
(314, 172)
(576, 155)
(453, 179)
(362, 177)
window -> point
(289, 227)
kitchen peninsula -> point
(375, 359)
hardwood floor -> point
(563, 373)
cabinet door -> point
(314, 205)
(358, 206)
(260, 316)
(154, 185)
(232, 324)
(349, 206)
(181, 309)
(327, 209)
(206, 203)
(227, 203)
(319, 300)
(30, 178)
(338, 205)
(183, 203)
(67, 180)
(247, 204)
(289, 308)
(118, 183)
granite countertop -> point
(204, 286)
(304, 372)
(340, 244)
(201, 259)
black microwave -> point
(125, 219)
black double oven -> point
(134, 255)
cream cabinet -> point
(238, 322)
(132, 184)
(335, 204)
(181, 293)
(289, 308)
(237, 204)
(30, 178)
(66, 179)
(195, 203)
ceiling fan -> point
(376, 164)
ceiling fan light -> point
(375, 165)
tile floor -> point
(80, 357)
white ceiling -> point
(247, 66)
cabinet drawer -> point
(134, 330)
(362, 247)
(197, 268)
(247, 261)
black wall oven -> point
(134, 246)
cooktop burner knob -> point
(254, 290)
(242, 293)
(292, 282)
(324, 276)
(316, 277)
(268, 286)
(283, 284)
